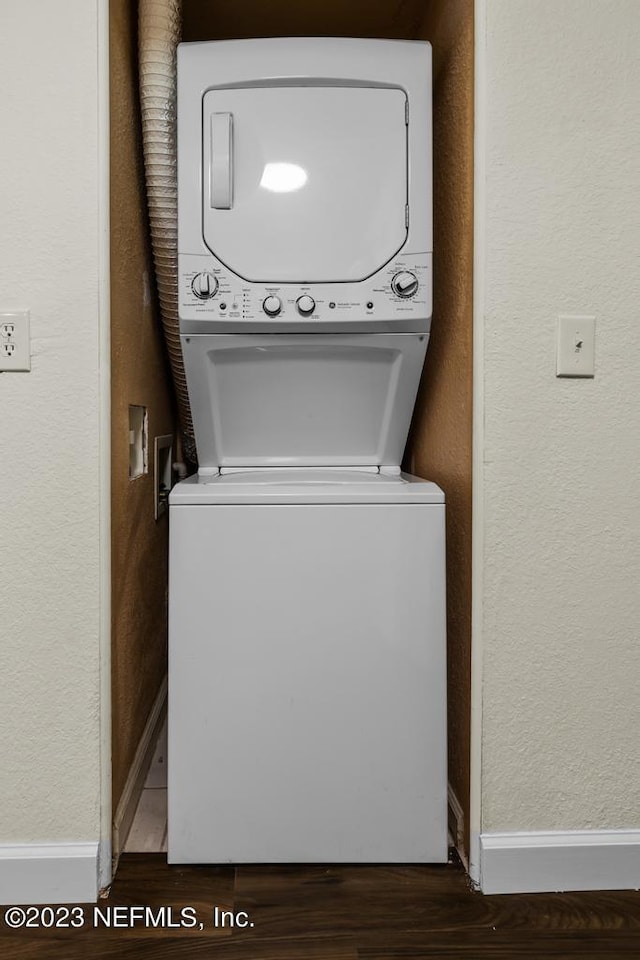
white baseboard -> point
(133, 787)
(560, 861)
(456, 825)
(48, 873)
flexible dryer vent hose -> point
(159, 30)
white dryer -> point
(306, 633)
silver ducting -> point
(159, 31)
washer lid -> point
(304, 184)
(305, 487)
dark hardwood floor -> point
(333, 913)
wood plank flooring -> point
(339, 913)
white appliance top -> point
(305, 487)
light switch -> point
(576, 346)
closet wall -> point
(140, 376)
(440, 442)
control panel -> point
(211, 293)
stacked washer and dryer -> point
(307, 577)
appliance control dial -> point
(306, 305)
(272, 306)
(405, 284)
(204, 285)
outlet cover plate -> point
(15, 352)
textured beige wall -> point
(139, 376)
(561, 490)
(50, 482)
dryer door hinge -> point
(406, 112)
(406, 216)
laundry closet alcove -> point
(439, 445)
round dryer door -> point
(304, 184)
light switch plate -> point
(15, 352)
(576, 346)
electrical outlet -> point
(15, 353)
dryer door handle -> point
(221, 164)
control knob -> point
(272, 306)
(405, 284)
(204, 285)
(306, 305)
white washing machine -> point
(307, 586)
